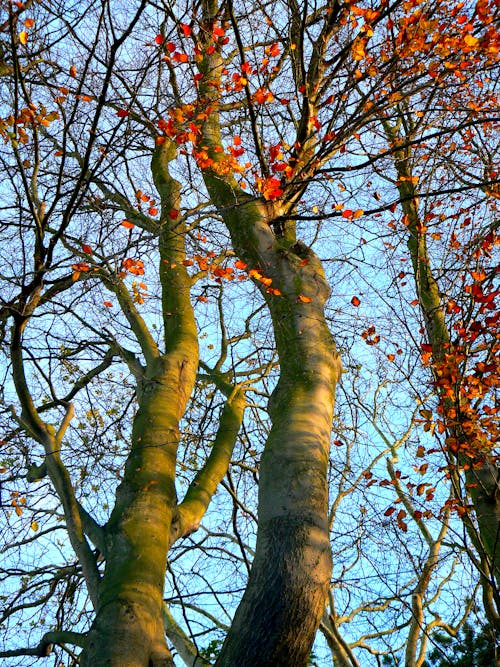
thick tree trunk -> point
(484, 488)
(281, 609)
(128, 629)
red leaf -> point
(108, 304)
(86, 248)
(186, 29)
(389, 511)
(173, 214)
(159, 39)
(122, 113)
(355, 301)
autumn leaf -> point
(304, 299)
(355, 301)
(270, 188)
(29, 23)
(122, 113)
(173, 214)
(80, 266)
(87, 249)
(186, 29)
(108, 304)
(72, 71)
(240, 265)
(159, 39)
(470, 40)
(133, 266)
(127, 224)
(23, 37)
(273, 50)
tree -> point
(124, 157)
(471, 648)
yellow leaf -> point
(470, 40)
(34, 526)
(23, 37)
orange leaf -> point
(186, 29)
(153, 210)
(470, 40)
(127, 224)
(304, 299)
(389, 511)
(86, 248)
(108, 304)
(240, 265)
(72, 71)
(355, 301)
(29, 23)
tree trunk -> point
(128, 629)
(288, 585)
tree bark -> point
(128, 628)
